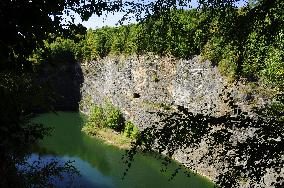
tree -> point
(25, 24)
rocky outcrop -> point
(140, 84)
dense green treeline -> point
(246, 42)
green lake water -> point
(100, 165)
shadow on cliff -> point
(61, 76)
(242, 148)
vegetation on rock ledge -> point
(107, 122)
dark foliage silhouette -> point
(246, 147)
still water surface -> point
(100, 165)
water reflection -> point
(100, 165)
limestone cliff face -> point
(138, 85)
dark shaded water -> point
(100, 165)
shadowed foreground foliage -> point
(25, 25)
(245, 147)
